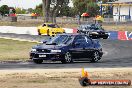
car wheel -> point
(78, 31)
(105, 37)
(38, 61)
(96, 56)
(67, 58)
(39, 32)
(48, 32)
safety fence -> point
(75, 20)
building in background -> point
(122, 10)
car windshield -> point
(95, 27)
(60, 39)
(53, 25)
(85, 26)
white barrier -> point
(68, 30)
(25, 30)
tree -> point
(93, 9)
(89, 6)
(80, 6)
(20, 11)
(12, 10)
(51, 8)
(38, 10)
(4, 10)
(66, 11)
(30, 10)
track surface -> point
(117, 54)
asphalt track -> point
(117, 54)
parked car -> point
(67, 48)
(93, 30)
(50, 29)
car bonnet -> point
(44, 46)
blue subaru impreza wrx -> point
(67, 48)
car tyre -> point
(39, 32)
(78, 31)
(105, 37)
(48, 32)
(67, 58)
(38, 61)
(96, 57)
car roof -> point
(89, 24)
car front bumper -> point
(99, 35)
(47, 56)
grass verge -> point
(14, 50)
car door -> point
(78, 47)
(89, 46)
(43, 29)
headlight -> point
(55, 51)
(33, 50)
(94, 32)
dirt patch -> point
(59, 78)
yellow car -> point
(50, 29)
(99, 18)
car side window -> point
(86, 41)
(89, 41)
(80, 39)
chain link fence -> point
(64, 19)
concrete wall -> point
(27, 30)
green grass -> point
(14, 50)
(33, 23)
(26, 23)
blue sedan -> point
(67, 48)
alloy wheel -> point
(96, 56)
(68, 57)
